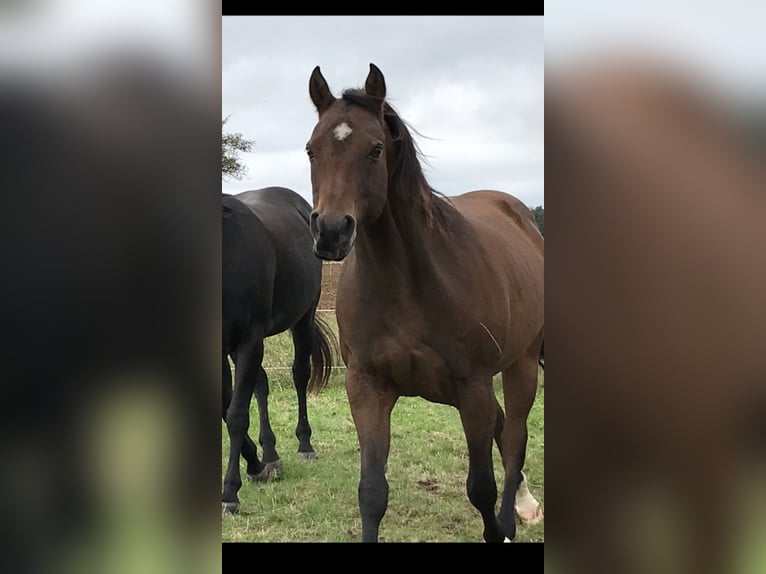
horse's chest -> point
(410, 366)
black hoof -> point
(308, 455)
(497, 533)
(270, 471)
(229, 507)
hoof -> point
(528, 509)
(271, 471)
(229, 508)
(308, 455)
(507, 539)
(530, 515)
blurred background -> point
(110, 226)
(656, 274)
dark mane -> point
(406, 177)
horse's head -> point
(348, 154)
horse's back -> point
(276, 204)
(496, 208)
(286, 216)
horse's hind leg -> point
(478, 409)
(237, 417)
(272, 464)
(499, 424)
(249, 450)
(303, 334)
(519, 390)
(526, 505)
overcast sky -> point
(723, 42)
(471, 85)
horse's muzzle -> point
(334, 235)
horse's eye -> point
(376, 151)
(310, 152)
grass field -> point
(427, 468)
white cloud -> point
(474, 85)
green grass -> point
(427, 468)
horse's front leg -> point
(371, 405)
(249, 359)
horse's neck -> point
(393, 253)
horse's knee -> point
(237, 421)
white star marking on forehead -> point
(342, 131)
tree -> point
(231, 145)
(539, 213)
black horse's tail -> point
(324, 351)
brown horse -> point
(435, 298)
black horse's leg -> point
(478, 412)
(272, 463)
(519, 389)
(499, 424)
(249, 359)
(371, 406)
(249, 450)
(303, 339)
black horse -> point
(271, 282)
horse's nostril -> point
(314, 221)
(349, 224)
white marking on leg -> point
(342, 131)
(527, 507)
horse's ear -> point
(375, 84)
(319, 91)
